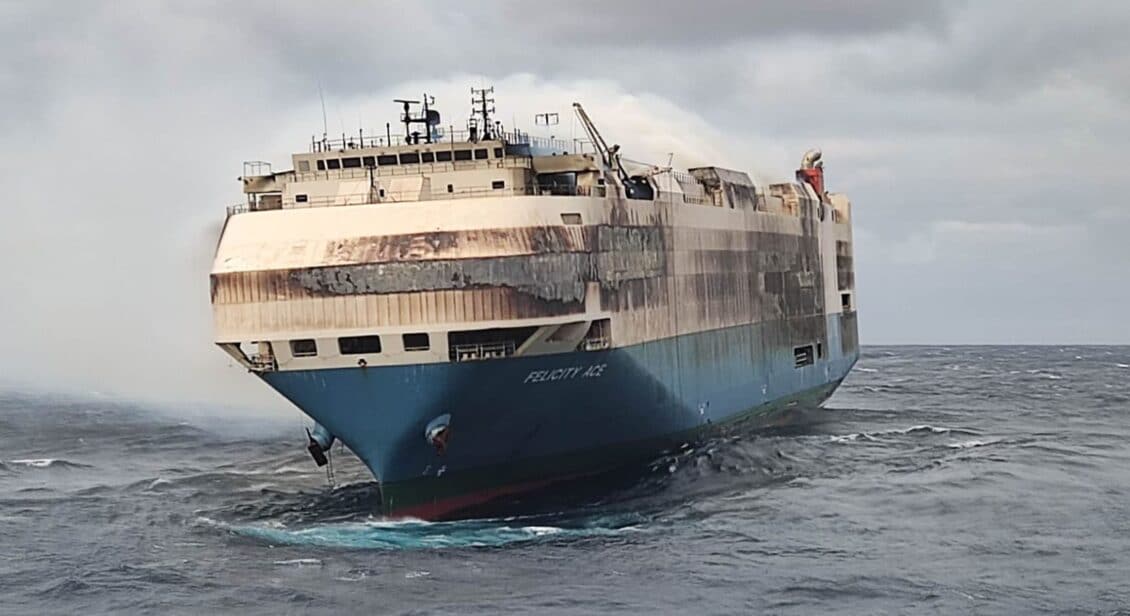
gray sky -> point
(980, 143)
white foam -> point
(972, 443)
(35, 462)
(541, 531)
(411, 575)
(299, 562)
(1123, 365)
(866, 370)
(874, 436)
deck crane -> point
(634, 187)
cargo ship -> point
(479, 312)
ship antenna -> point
(325, 124)
(479, 106)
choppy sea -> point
(989, 480)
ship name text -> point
(566, 374)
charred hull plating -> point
(517, 423)
(479, 317)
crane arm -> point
(607, 154)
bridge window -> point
(301, 198)
(498, 152)
(303, 166)
(409, 158)
(416, 342)
(305, 347)
(333, 163)
(498, 184)
(462, 154)
(321, 165)
(351, 163)
(427, 157)
(368, 161)
(359, 345)
(386, 159)
(481, 154)
(443, 156)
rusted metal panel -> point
(234, 321)
(479, 243)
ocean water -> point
(989, 480)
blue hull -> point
(520, 421)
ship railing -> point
(239, 208)
(379, 195)
(478, 352)
(361, 173)
(441, 135)
(596, 343)
(262, 363)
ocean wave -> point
(879, 434)
(41, 463)
(299, 562)
(973, 443)
(410, 534)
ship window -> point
(368, 161)
(571, 218)
(305, 347)
(301, 198)
(462, 154)
(599, 336)
(819, 350)
(359, 345)
(333, 163)
(409, 158)
(381, 192)
(443, 157)
(451, 188)
(481, 154)
(845, 301)
(498, 152)
(303, 166)
(321, 165)
(427, 157)
(386, 159)
(487, 343)
(351, 163)
(803, 356)
(498, 184)
(416, 342)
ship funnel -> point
(811, 172)
(810, 158)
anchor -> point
(438, 432)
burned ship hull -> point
(483, 321)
